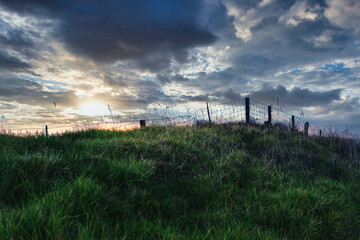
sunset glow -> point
(93, 109)
(58, 67)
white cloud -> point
(28, 24)
(263, 3)
(324, 40)
(344, 13)
(273, 53)
(297, 13)
(243, 20)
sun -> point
(93, 109)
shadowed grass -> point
(213, 182)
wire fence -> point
(230, 112)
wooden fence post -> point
(269, 114)
(142, 123)
(320, 132)
(208, 112)
(247, 110)
(306, 129)
(293, 122)
(46, 131)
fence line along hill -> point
(243, 110)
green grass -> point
(210, 182)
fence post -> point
(306, 128)
(208, 112)
(320, 132)
(269, 114)
(247, 110)
(46, 131)
(142, 123)
(293, 122)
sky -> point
(87, 55)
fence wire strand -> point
(230, 112)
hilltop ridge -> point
(205, 182)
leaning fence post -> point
(269, 114)
(247, 110)
(46, 131)
(142, 123)
(208, 112)
(306, 128)
(293, 122)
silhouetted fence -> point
(245, 110)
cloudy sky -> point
(86, 54)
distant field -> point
(208, 182)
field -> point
(205, 182)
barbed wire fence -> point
(245, 110)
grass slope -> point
(211, 182)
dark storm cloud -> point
(217, 96)
(344, 14)
(248, 44)
(110, 30)
(208, 82)
(26, 41)
(150, 92)
(296, 97)
(163, 79)
(253, 64)
(220, 80)
(15, 38)
(344, 77)
(116, 81)
(168, 79)
(154, 62)
(247, 4)
(180, 78)
(348, 106)
(8, 62)
(196, 98)
(205, 81)
(15, 89)
(143, 92)
(231, 95)
(275, 45)
(268, 53)
(342, 114)
(309, 30)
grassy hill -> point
(210, 182)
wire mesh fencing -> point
(230, 112)
(258, 112)
(237, 111)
